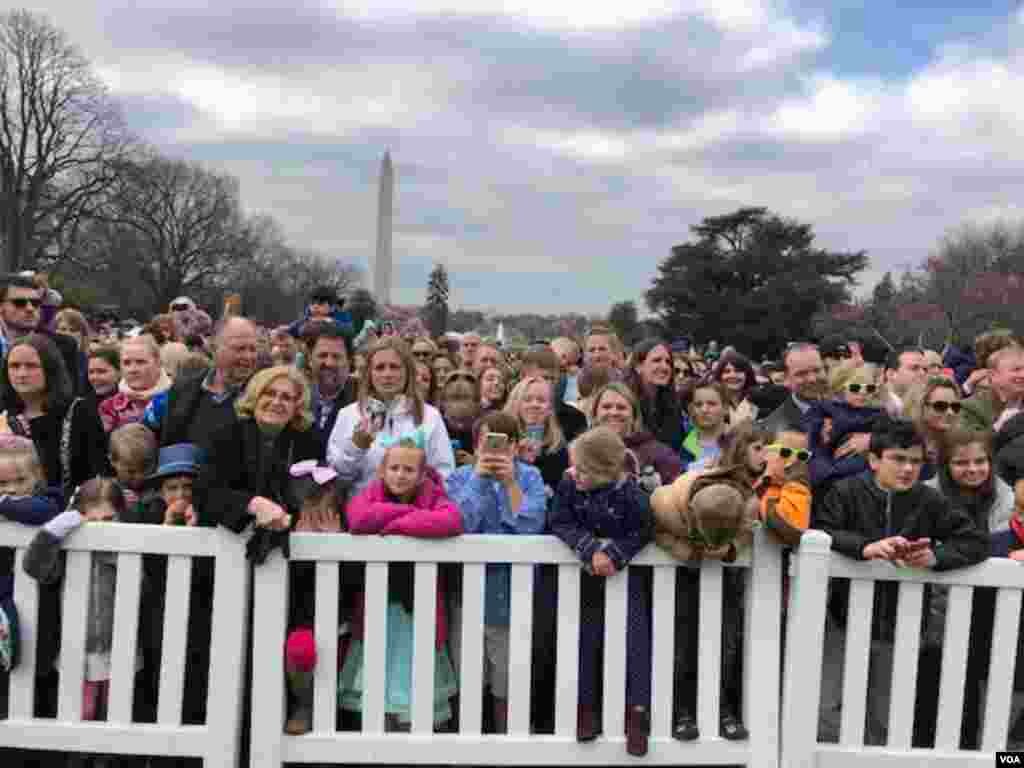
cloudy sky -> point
(550, 152)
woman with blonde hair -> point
(532, 404)
(934, 407)
(389, 408)
(142, 379)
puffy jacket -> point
(341, 318)
(431, 515)
(360, 467)
(649, 452)
(856, 512)
(825, 468)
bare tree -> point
(59, 130)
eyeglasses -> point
(182, 307)
(941, 406)
(21, 303)
(786, 452)
(869, 389)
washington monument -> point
(382, 260)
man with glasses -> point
(806, 381)
(887, 514)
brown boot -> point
(638, 728)
(587, 724)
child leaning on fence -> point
(406, 499)
(99, 500)
(605, 518)
(500, 494)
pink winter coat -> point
(431, 516)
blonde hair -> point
(600, 453)
(134, 442)
(400, 348)
(22, 451)
(245, 406)
(75, 319)
(146, 341)
(849, 372)
(554, 438)
(624, 392)
(916, 397)
(172, 355)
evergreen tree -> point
(436, 309)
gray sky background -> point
(550, 153)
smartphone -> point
(377, 411)
(495, 442)
(456, 445)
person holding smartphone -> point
(887, 514)
(500, 494)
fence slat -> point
(567, 662)
(74, 615)
(471, 686)
(855, 664)
(520, 650)
(663, 639)
(269, 624)
(710, 649)
(172, 664)
(954, 668)
(1004, 659)
(23, 677)
(424, 647)
(615, 607)
(904, 665)
(126, 627)
(375, 647)
(763, 640)
(325, 681)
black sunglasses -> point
(869, 389)
(941, 406)
(23, 302)
(179, 307)
(424, 353)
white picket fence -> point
(217, 741)
(813, 566)
(271, 747)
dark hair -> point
(960, 437)
(741, 364)
(313, 332)
(324, 293)
(100, 489)
(892, 360)
(497, 421)
(15, 281)
(735, 442)
(55, 373)
(108, 353)
(593, 378)
(894, 433)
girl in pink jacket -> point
(407, 499)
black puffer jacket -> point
(856, 512)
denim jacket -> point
(486, 509)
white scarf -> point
(162, 384)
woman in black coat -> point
(650, 376)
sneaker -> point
(638, 728)
(685, 728)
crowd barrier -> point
(813, 566)
(373, 745)
(217, 741)
(782, 732)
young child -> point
(170, 502)
(97, 500)
(322, 498)
(783, 487)
(406, 499)
(133, 451)
(503, 495)
(605, 518)
(460, 406)
(833, 426)
(24, 499)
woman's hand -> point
(268, 514)
(364, 434)
(529, 450)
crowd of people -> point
(899, 454)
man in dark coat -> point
(806, 381)
(332, 387)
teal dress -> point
(398, 672)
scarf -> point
(162, 385)
(976, 504)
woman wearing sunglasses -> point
(934, 407)
(833, 426)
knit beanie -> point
(600, 453)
